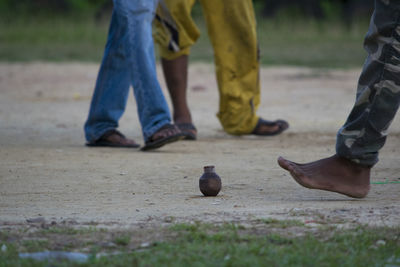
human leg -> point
(378, 93)
(175, 63)
(365, 131)
(112, 87)
(131, 53)
(152, 108)
(175, 73)
(239, 94)
(232, 30)
(151, 105)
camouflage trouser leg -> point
(378, 92)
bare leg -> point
(176, 75)
(334, 174)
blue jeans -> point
(128, 60)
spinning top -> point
(210, 182)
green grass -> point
(283, 41)
(122, 240)
(281, 224)
(266, 243)
(52, 40)
(300, 42)
(308, 43)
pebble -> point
(145, 245)
(380, 242)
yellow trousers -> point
(231, 27)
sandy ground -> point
(47, 172)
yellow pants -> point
(232, 29)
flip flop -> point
(103, 142)
(153, 144)
(187, 128)
(282, 126)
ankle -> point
(352, 164)
(183, 118)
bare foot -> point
(333, 174)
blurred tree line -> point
(13, 8)
(318, 9)
(347, 10)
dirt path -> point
(45, 171)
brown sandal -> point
(104, 142)
(188, 130)
(282, 126)
(152, 143)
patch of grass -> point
(300, 42)
(281, 224)
(122, 240)
(52, 40)
(35, 245)
(283, 41)
(229, 247)
(200, 244)
(66, 230)
(311, 43)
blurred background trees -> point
(318, 9)
(49, 7)
(313, 33)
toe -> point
(283, 163)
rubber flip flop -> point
(153, 144)
(186, 129)
(103, 142)
(282, 126)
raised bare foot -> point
(333, 174)
(269, 128)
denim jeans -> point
(128, 61)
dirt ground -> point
(46, 172)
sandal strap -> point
(167, 126)
(265, 122)
(282, 125)
(186, 126)
(111, 132)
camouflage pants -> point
(378, 92)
